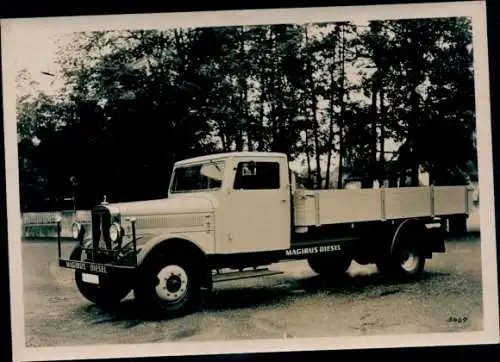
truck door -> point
(259, 206)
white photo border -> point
(476, 10)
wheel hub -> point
(173, 282)
(409, 261)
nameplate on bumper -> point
(84, 266)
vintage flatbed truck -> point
(231, 215)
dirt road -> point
(294, 304)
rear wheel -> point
(107, 293)
(329, 265)
(169, 285)
(406, 259)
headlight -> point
(76, 230)
(114, 232)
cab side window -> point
(257, 176)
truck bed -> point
(321, 207)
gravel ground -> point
(296, 303)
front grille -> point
(101, 221)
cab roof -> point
(217, 156)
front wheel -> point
(107, 293)
(169, 285)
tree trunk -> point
(331, 131)
(382, 120)
(314, 117)
(244, 92)
(239, 140)
(309, 167)
(223, 141)
(308, 154)
(414, 121)
(342, 112)
(264, 65)
(259, 140)
(180, 49)
(372, 168)
(402, 178)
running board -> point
(224, 277)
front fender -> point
(200, 240)
(186, 245)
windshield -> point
(207, 176)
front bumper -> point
(100, 261)
(94, 268)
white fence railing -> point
(43, 224)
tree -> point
(136, 101)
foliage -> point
(136, 101)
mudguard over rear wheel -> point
(406, 259)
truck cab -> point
(251, 194)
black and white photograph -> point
(249, 181)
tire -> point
(329, 265)
(406, 261)
(169, 286)
(108, 293)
